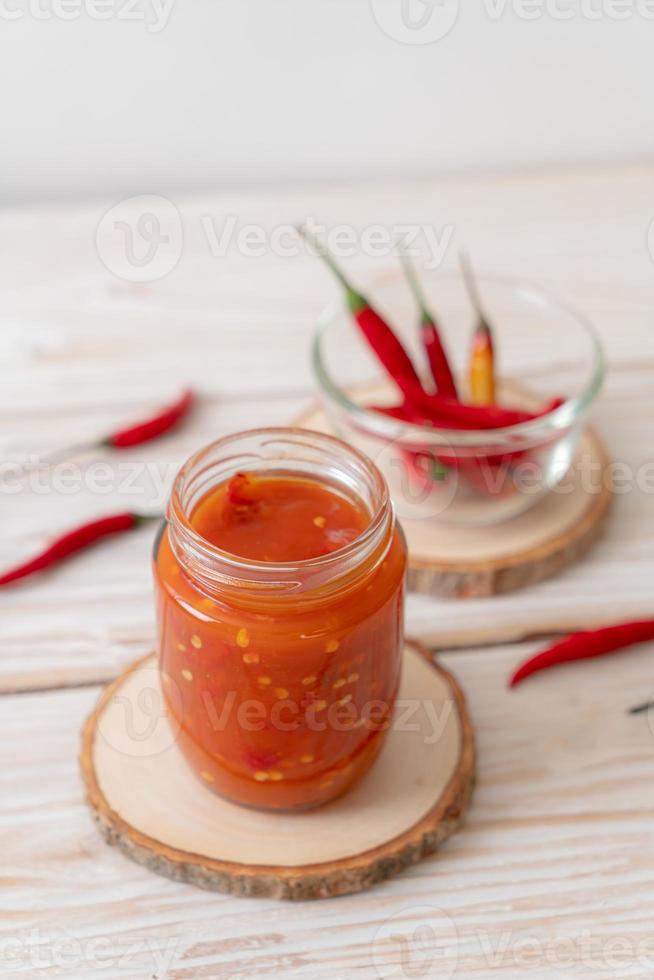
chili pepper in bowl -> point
(481, 468)
(459, 415)
(586, 645)
(75, 541)
(481, 379)
(439, 364)
(425, 469)
(442, 410)
(426, 466)
(377, 332)
(447, 413)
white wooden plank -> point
(552, 870)
(94, 614)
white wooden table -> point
(554, 869)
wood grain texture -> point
(82, 352)
(551, 872)
(146, 801)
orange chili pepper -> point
(481, 372)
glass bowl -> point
(544, 350)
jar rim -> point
(234, 568)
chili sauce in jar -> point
(280, 589)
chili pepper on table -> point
(153, 427)
(133, 435)
(439, 364)
(586, 645)
(75, 541)
(481, 379)
(377, 332)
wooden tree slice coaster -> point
(147, 801)
(455, 561)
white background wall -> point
(256, 92)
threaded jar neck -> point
(292, 453)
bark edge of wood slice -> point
(410, 819)
(477, 562)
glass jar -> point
(282, 676)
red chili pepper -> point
(425, 469)
(404, 412)
(239, 491)
(134, 435)
(461, 416)
(439, 364)
(481, 469)
(154, 427)
(440, 409)
(74, 541)
(407, 413)
(587, 644)
(450, 414)
(377, 332)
